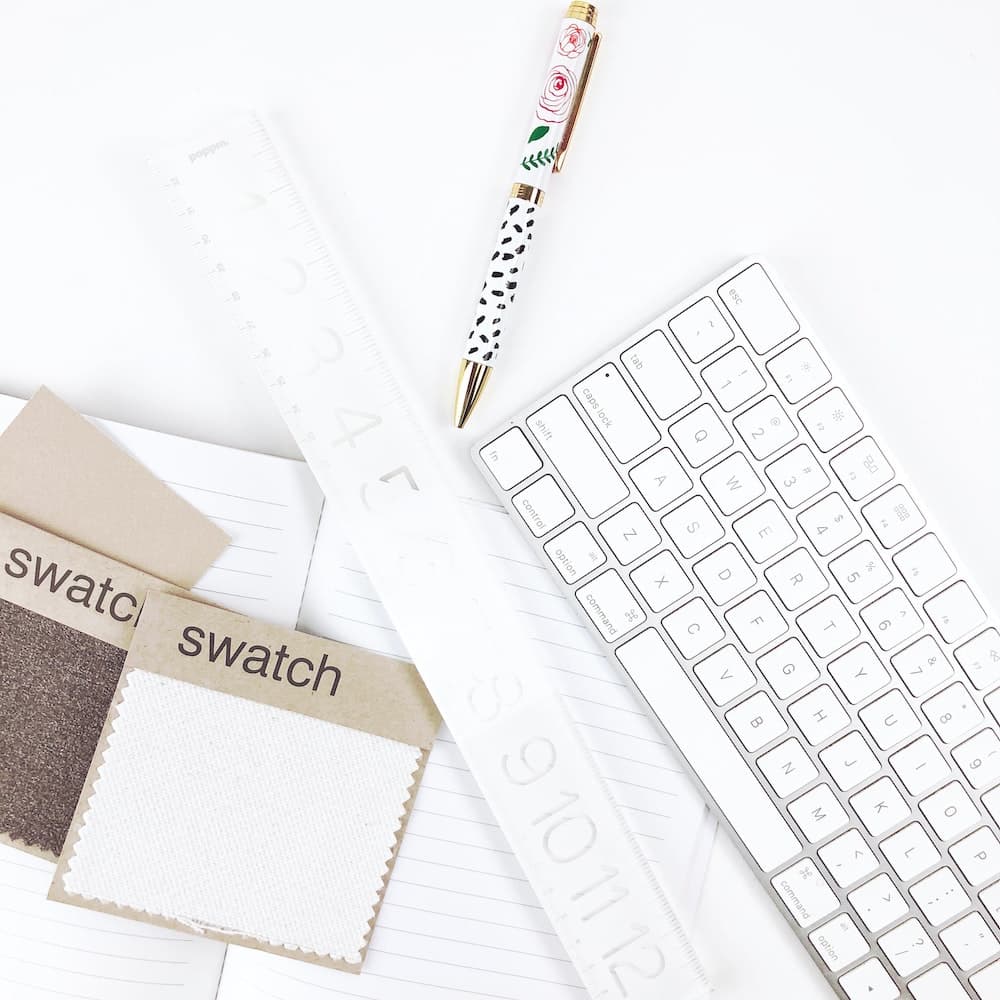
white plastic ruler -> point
(329, 370)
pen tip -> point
(472, 379)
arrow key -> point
(869, 981)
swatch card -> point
(252, 784)
(66, 618)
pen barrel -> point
(503, 278)
(557, 105)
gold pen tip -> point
(472, 379)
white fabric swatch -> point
(232, 815)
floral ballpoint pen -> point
(544, 153)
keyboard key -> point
(839, 942)
(924, 564)
(861, 572)
(758, 308)
(764, 531)
(978, 856)
(765, 428)
(880, 807)
(890, 720)
(787, 768)
(828, 627)
(920, 765)
(797, 476)
(542, 506)
(661, 376)
(910, 851)
(798, 371)
(701, 435)
(878, 903)
(891, 619)
(585, 469)
(725, 574)
(805, 892)
(980, 659)
(710, 751)
(940, 896)
(986, 983)
(830, 420)
(818, 813)
(575, 553)
(629, 534)
(829, 524)
(788, 668)
(893, 516)
(725, 675)
(848, 858)
(756, 621)
(693, 628)
(510, 458)
(850, 761)
(692, 527)
(953, 713)
(862, 468)
(859, 673)
(610, 605)
(970, 941)
(796, 579)
(979, 759)
(939, 983)
(616, 413)
(700, 329)
(990, 898)
(955, 611)
(950, 811)
(733, 379)
(922, 666)
(756, 722)
(869, 981)
(733, 484)
(661, 581)
(660, 479)
(819, 715)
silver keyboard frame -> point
(653, 619)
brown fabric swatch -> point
(56, 685)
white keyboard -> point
(741, 540)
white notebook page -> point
(270, 508)
(459, 919)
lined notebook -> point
(459, 919)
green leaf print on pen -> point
(537, 134)
(543, 158)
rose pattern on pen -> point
(573, 42)
(557, 95)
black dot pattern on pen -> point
(500, 287)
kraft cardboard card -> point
(61, 473)
(66, 617)
(251, 784)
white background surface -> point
(854, 144)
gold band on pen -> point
(525, 192)
(582, 12)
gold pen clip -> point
(577, 101)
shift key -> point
(577, 457)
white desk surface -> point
(855, 144)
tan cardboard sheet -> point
(63, 474)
